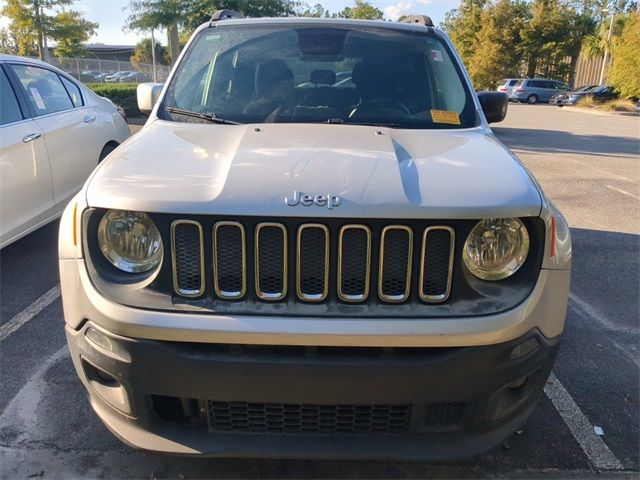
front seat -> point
(273, 87)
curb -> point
(593, 111)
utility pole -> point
(606, 47)
(153, 56)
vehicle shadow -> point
(557, 141)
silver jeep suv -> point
(285, 264)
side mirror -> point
(148, 94)
(494, 105)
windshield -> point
(320, 74)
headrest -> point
(271, 73)
(323, 77)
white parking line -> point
(623, 192)
(604, 322)
(28, 313)
(592, 445)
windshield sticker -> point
(436, 55)
(445, 116)
(211, 38)
(37, 98)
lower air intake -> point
(306, 418)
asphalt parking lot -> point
(590, 167)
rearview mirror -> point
(494, 105)
(148, 94)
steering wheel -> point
(368, 107)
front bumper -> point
(449, 403)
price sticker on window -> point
(445, 116)
(37, 98)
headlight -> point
(130, 241)
(496, 248)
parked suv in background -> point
(534, 90)
(506, 86)
(355, 271)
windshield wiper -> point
(376, 124)
(210, 117)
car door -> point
(26, 194)
(73, 141)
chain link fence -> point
(94, 70)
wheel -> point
(106, 150)
(531, 99)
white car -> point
(355, 272)
(53, 133)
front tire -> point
(532, 99)
(106, 150)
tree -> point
(70, 31)
(189, 14)
(362, 10)
(7, 43)
(463, 25)
(549, 38)
(624, 72)
(33, 20)
(143, 54)
(316, 11)
(497, 50)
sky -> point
(111, 15)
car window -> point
(44, 89)
(303, 74)
(520, 83)
(9, 108)
(74, 92)
(512, 82)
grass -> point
(586, 102)
(617, 105)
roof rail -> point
(225, 15)
(419, 19)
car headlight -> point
(130, 241)
(496, 248)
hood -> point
(191, 168)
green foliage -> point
(463, 25)
(494, 56)
(624, 72)
(32, 20)
(123, 94)
(315, 11)
(71, 31)
(7, 43)
(143, 54)
(361, 10)
(187, 15)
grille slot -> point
(436, 264)
(187, 252)
(229, 262)
(444, 414)
(271, 261)
(354, 263)
(307, 418)
(396, 251)
(312, 267)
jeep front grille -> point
(340, 265)
(187, 248)
(354, 263)
(229, 260)
(271, 261)
(312, 262)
